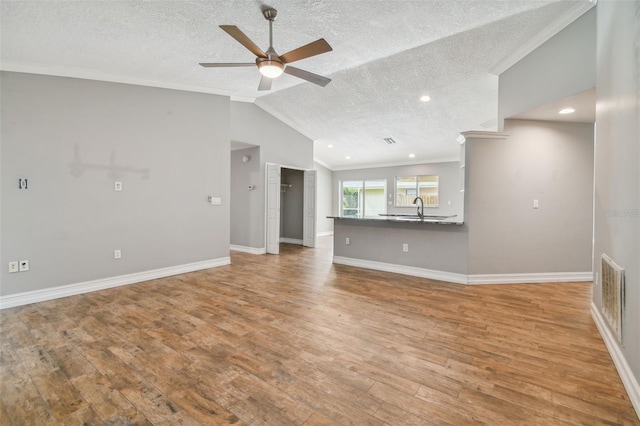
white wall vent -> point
(612, 277)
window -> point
(410, 187)
(364, 198)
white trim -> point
(291, 241)
(27, 297)
(539, 39)
(83, 74)
(483, 134)
(276, 114)
(532, 278)
(250, 250)
(624, 370)
(394, 164)
(401, 269)
(322, 163)
(324, 234)
(551, 277)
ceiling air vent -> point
(389, 141)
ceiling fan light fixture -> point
(271, 69)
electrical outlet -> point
(535, 204)
(117, 186)
(13, 267)
(347, 241)
(24, 266)
(405, 248)
(117, 254)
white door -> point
(273, 208)
(309, 208)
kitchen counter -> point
(405, 244)
(405, 218)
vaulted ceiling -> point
(386, 55)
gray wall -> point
(291, 204)
(562, 66)
(548, 161)
(279, 144)
(431, 246)
(325, 198)
(247, 215)
(617, 159)
(448, 185)
(72, 139)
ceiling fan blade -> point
(306, 75)
(265, 83)
(241, 37)
(314, 48)
(225, 64)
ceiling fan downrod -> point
(271, 66)
(270, 15)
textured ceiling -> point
(386, 54)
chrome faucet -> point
(420, 207)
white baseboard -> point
(401, 269)
(290, 241)
(27, 297)
(324, 234)
(626, 375)
(550, 277)
(250, 250)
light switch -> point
(535, 204)
(117, 186)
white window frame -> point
(416, 190)
(361, 197)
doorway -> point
(291, 205)
(285, 211)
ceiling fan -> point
(270, 64)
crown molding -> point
(322, 163)
(395, 164)
(549, 31)
(481, 134)
(285, 120)
(83, 74)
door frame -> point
(272, 224)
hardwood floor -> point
(293, 339)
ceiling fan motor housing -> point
(270, 14)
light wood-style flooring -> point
(295, 340)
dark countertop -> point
(404, 218)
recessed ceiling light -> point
(411, 155)
(567, 111)
(347, 157)
(425, 98)
(329, 146)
